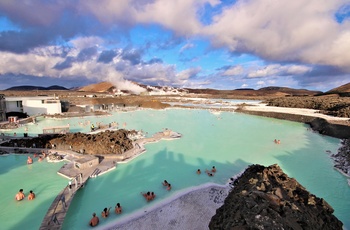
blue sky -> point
(181, 43)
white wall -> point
(34, 105)
(11, 106)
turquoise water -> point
(230, 141)
(41, 177)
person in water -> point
(169, 187)
(165, 183)
(153, 195)
(118, 209)
(94, 220)
(199, 171)
(209, 173)
(147, 195)
(213, 169)
(105, 212)
(29, 160)
(20, 195)
(31, 195)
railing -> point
(62, 198)
(63, 201)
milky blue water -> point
(230, 141)
(41, 177)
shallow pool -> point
(228, 141)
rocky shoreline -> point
(328, 104)
(342, 158)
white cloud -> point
(233, 71)
(35, 12)
(284, 30)
(296, 69)
(260, 83)
(109, 11)
(40, 63)
(186, 47)
(271, 82)
(265, 71)
(179, 16)
(86, 42)
(278, 70)
(186, 74)
(244, 86)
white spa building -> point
(33, 105)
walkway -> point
(57, 212)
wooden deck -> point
(55, 215)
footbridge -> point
(55, 215)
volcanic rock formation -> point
(107, 142)
(266, 198)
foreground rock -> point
(266, 198)
(342, 158)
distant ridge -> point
(266, 91)
(291, 91)
(32, 88)
(276, 91)
(343, 90)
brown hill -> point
(341, 90)
(100, 87)
(290, 91)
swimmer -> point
(29, 160)
(153, 195)
(169, 187)
(118, 208)
(20, 195)
(165, 183)
(278, 142)
(105, 212)
(94, 220)
(31, 195)
(40, 158)
(209, 173)
(147, 195)
(199, 171)
(213, 169)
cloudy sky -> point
(183, 43)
